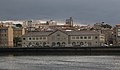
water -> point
(60, 63)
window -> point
(37, 38)
(85, 37)
(58, 34)
(33, 38)
(40, 38)
(29, 38)
(73, 37)
(23, 38)
(89, 37)
(5, 30)
(5, 35)
(118, 29)
(96, 37)
(44, 38)
(77, 37)
(81, 37)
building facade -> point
(117, 35)
(18, 32)
(62, 38)
(6, 37)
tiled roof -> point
(81, 32)
(40, 33)
(46, 33)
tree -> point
(18, 25)
(16, 41)
(106, 26)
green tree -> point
(106, 26)
(16, 40)
(18, 25)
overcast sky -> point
(83, 11)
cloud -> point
(80, 10)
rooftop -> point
(46, 33)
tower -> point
(69, 21)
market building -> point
(62, 38)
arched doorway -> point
(30, 43)
(73, 44)
(58, 43)
(63, 44)
(44, 43)
(81, 43)
(37, 44)
(53, 44)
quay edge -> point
(61, 51)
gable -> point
(58, 32)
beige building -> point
(6, 36)
(18, 32)
(108, 35)
(117, 35)
(62, 38)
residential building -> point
(117, 35)
(18, 32)
(6, 37)
(108, 35)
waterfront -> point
(59, 62)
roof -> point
(17, 28)
(39, 33)
(82, 32)
(46, 33)
(3, 27)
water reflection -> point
(60, 63)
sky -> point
(82, 11)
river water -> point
(59, 62)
